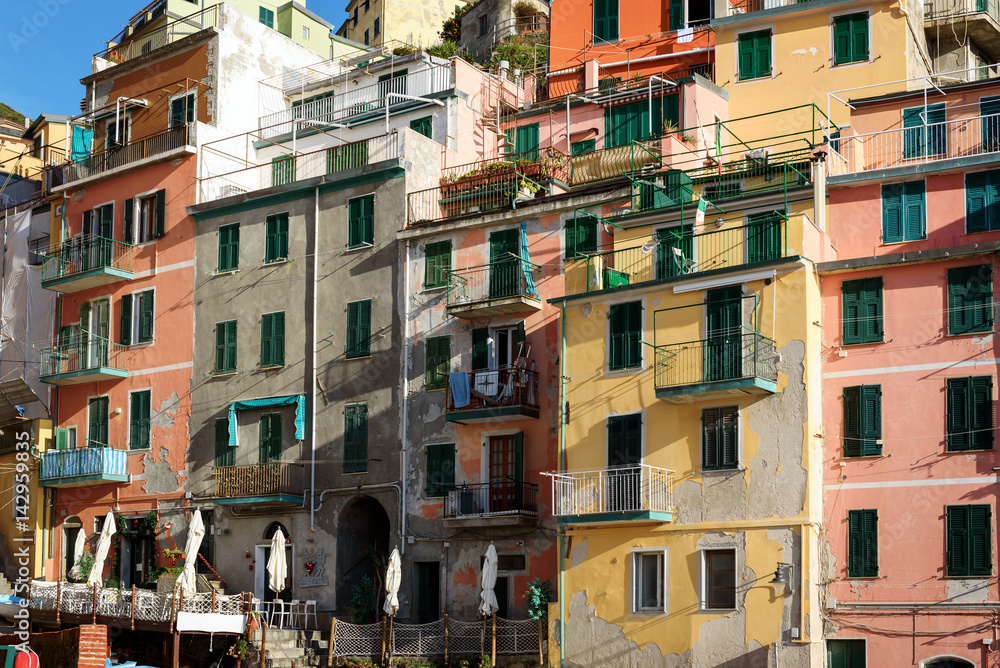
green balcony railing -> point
(84, 254)
(504, 279)
(753, 175)
(89, 354)
(727, 356)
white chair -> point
(684, 265)
(281, 613)
(295, 613)
(306, 607)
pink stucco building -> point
(910, 482)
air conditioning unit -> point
(758, 156)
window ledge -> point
(355, 473)
(717, 611)
(647, 613)
(615, 373)
(141, 344)
(862, 343)
(435, 288)
(358, 357)
(977, 333)
(131, 450)
(220, 374)
(851, 458)
(358, 249)
(270, 367)
(227, 272)
(280, 260)
(962, 452)
(434, 389)
(722, 472)
(867, 61)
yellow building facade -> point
(392, 23)
(690, 459)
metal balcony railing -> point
(727, 356)
(747, 6)
(503, 279)
(944, 9)
(131, 48)
(95, 461)
(483, 499)
(116, 157)
(89, 353)
(348, 104)
(303, 166)
(83, 254)
(613, 490)
(497, 388)
(258, 480)
(900, 147)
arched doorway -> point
(72, 530)
(947, 662)
(362, 548)
(262, 589)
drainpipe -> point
(312, 383)
(405, 385)
(562, 469)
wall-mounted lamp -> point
(719, 222)
(782, 576)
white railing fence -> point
(622, 489)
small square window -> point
(719, 573)
(649, 581)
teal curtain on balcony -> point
(529, 276)
(82, 139)
(300, 414)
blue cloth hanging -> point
(80, 144)
(460, 392)
(529, 275)
(300, 414)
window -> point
(989, 109)
(903, 212)
(276, 238)
(282, 170)
(36, 147)
(266, 16)
(719, 571)
(625, 123)
(355, 18)
(367, 38)
(649, 581)
(144, 218)
(862, 543)
(440, 469)
(272, 339)
(720, 438)
(138, 420)
(423, 126)
(359, 328)
(367, 6)
(437, 264)
(361, 222)
(582, 147)
(924, 131)
(225, 454)
(605, 20)
(970, 540)
(225, 346)
(754, 54)
(625, 323)
(377, 26)
(845, 653)
(229, 247)
(97, 422)
(356, 438)
(438, 362)
(270, 438)
(970, 413)
(850, 38)
(137, 318)
(862, 421)
(862, 310)
(346, 156)
(982, 201)
(624, 440)
(483, 24)
(581, 235)
(970, 299)
(764, 238)
(116, 132)
(522, 141)
(305, 32)
(182, 110)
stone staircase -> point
(5, 586)
(288, 647)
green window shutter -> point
(921, 135)
(424, 126)
(527, 141)
(356, 438)
(368, 220)
(282, 170)
(97, 428)
(107, 221)
(229, 247)
(605, 20)
(981, 413)
(225, 346)
(270, 438)
(127, 231)
(676, 14)
(438, 362)
(970, 299)
(754, 54)
(862, 310)
(729, 454)
(139, 420)
(624, 439)
(989, 109)
(145, 316)
(582, 147)
(348, 156)
(361, 221)
(852, 422)
(480, 348)
(957, 528)
(581, 236)
(862, 531)
(871, 420)
(272, 339)
(440, 469)
(510, 147)
(959, 401)
(625, 322)
(978, 203)
(892, 213)
(745, 57)
(62, 438)
(720, 438)
(859, 36)
(159, 216)
(672, 110)
(437, 264)
(762, 53)
(276, 237)
(359, 316)
(842, 40)
(850, 38)
(224, 454)
(980, 540)
(913, 211)
(764, 238)
(125, 332)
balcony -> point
(497, 503)
(505, 287)
(90, 360)
(737, 7)
(290, 169)
(138, 152)
(271, 483)
(83, 466)
(723, 366)
(965, 141)
(976, 20)
(636, 493)
(362, 103)
(496, 395)
(131, 47)
(86, 262)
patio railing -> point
(623, 489)
(722, 357)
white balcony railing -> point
(349, 104)
(613, 490)
(901, 147)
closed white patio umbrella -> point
(81, 539)
(196, 532)
(103, 545)
(393, 575)
(489, 605)
(277, 565)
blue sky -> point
(46, 47)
